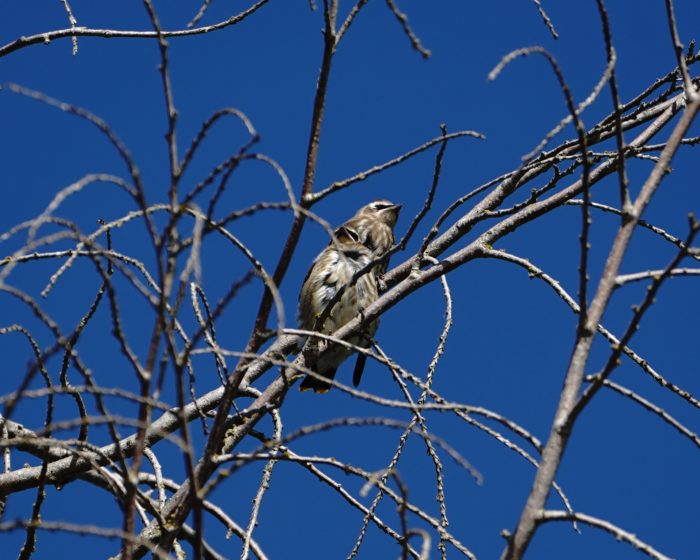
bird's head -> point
(384, 210)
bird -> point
(332, 270)
(364, 238)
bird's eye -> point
(382, 205)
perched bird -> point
(365, 237)
(333, 269)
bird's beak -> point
(397, 208)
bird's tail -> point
(359, 368)
(317, 384)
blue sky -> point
(512, 336)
